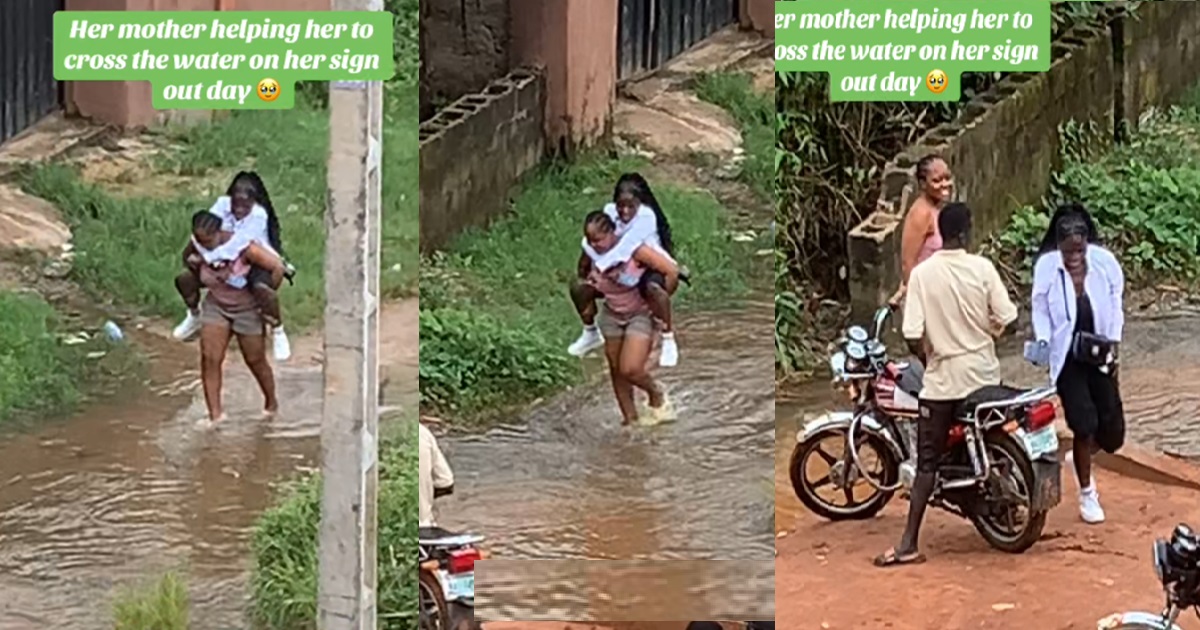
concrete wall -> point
(758, 15)
(468, 45)
(473, 151)
(129, 103)
(1005, 147)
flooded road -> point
(567, 483)
(131, 488)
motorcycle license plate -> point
(460, 586)
(1041, 442)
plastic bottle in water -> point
(112, 331)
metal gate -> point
(28, 90)
(652, 32)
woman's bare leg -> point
(254, 352)
(214, 341)
(622, 388)
(583, 296)
(635, 352)
(659, 300)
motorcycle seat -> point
(990, 394)
(438, 537)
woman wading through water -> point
(247, 213)
(638, 221)
(231, 309)
(626, 320)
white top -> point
(250, 229)
(642, 230)
(1054, 301)
(433, 472)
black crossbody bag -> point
(1086, 347)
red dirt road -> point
(559, 625)
(1074, 576)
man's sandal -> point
(890, 558)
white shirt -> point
(1054, 301)
(433, 472)
(641, 230)
(250, 229)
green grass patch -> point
(495, 316)
(42, 371)
(160, 605)
(129, 247)
(1144, 195)
(284, 581)
(755, 114)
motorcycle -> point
(1001, 458)
(446, 596)
(1177, 563)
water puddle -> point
(568, 482)
(132, 487)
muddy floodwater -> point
(131, 487)
(567, 482)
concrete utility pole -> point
(349, 420)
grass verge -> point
(160, 605)
(284, 581)
(755, 114)
(495, 316)
(43, 370)
(127, 248)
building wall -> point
(468, 46)
(129, 103)
(758, 15)
(1006, 147)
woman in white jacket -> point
(1078, 319)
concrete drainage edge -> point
(1141, 463)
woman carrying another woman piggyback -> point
(1078, 320)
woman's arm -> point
(1043, 279)
(651, 258)
(585, 265)
(189, 252)
(916, 228)
(1116, 284)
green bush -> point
(755, 114)
(284, 581)
(37, 372)
(161, 605)
(1144, 195)
(497, 299)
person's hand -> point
(898, 297)
(194, 259)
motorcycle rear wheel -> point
(805, 488)
(1031, 532)
(431, 600)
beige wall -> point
(129, 103)
(759, 15)
(575, 42)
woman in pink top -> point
(920, 238)
(230, 309)
(626, 320)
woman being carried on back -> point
(626, 318)
(230, 308)
(247, 213)
(638, 221)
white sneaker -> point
(188, 328)
(669, 355)
(588, 341)
(1089, 506)
(283, 347)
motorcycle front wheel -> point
(833, 475)
(433, 612)
(1000, 528)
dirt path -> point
(1074, 576)
(558, 625)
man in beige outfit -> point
(956, 306)
(435, 478)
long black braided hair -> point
(636, 185)
(258, 192)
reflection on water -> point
(133, 488)
(568, 482)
